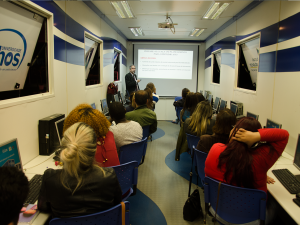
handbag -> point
(192, 208)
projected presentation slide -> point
(165, 64)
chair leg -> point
(143, 159)
(134, 189)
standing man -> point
(131, 80)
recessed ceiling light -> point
(137, 31)
(120, 7)
(215, 10)
(196, 32)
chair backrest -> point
(146, 131)
(200, 158)
(178, 98)
(127, 175)
(192, 142)
(178, 110)
(132, 152)
(112, 216)
(236, 205)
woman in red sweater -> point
(250, 153)
(106, 154)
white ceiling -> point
(187, 14)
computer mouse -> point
(298, 196)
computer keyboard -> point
(34, 189)
(288, 180)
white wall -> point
(21, 121)
(277, 93)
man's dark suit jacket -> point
(130, 82)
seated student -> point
(106, 154)
(180, 102)
(132, 105)
(142, 114)
(153, 90)
(81, 187)
(125, 132)
(150, 103)
(200, 96)
(14, 189)
(200, 122)
(189, 106)
(245, 146)
(223, 125)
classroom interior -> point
(275, 23)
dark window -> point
(92, 62)
(117, 66)
(216, 67)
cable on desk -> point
(39, 163)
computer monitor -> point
(205, 94)
(104, 106)
(201, 92)
(272, 124)
(216, 103)
(209, 98)
(59, 125)
(123, 98)
(297, 155)
(10, 154)
(249, 114)
(233, 108)
(93, 105)
(116, 97)
(223, 105)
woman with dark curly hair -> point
(106, 154)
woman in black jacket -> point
(81, 187)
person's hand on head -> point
(247, 137)
(270, 180)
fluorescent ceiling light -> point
(137, 31)
(196, 32)
(215, 10)
(211, 9)
(220, 10)
(120, 7)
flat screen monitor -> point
(233, 108)
(93, 105)
(59, 125)
(104, 106)
(123, 98)
(209, 98)
(201, 92)
(297, 154)
(10, 154)
(272, 124)
(116, 97)
(223, 105)
(216, 103)
(249, 114)
(205, 94)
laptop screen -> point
(10, 155)
(104, 106)
(272, 124)
(116, 97)
(93, 105)
(216, 103)
(233, 108)
(222, 105)
(59, 125)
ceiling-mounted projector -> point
(166, 25)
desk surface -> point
(37, 166)
(278, 191)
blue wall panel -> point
(269, 35)
(60, 49)
(228, 59)
(267, 62)
(207, 63)
(288, 60)
(75, 55)
(74, 29)
(289, 28)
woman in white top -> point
(125, 131)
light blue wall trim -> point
(104, 17)
(244, 11)
(228, 59)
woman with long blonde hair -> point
(81, 187)
(106, 154)
(200, 122)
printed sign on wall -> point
(18, 38)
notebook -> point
(28, 220)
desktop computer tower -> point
(239, 107)
(48, 140)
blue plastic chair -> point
(236, 205)
(132, 152)
(112, 216)
(127, 175)
(146, 134)
(192, 142)
(200, 158)
(177, 98)
(178, 110)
